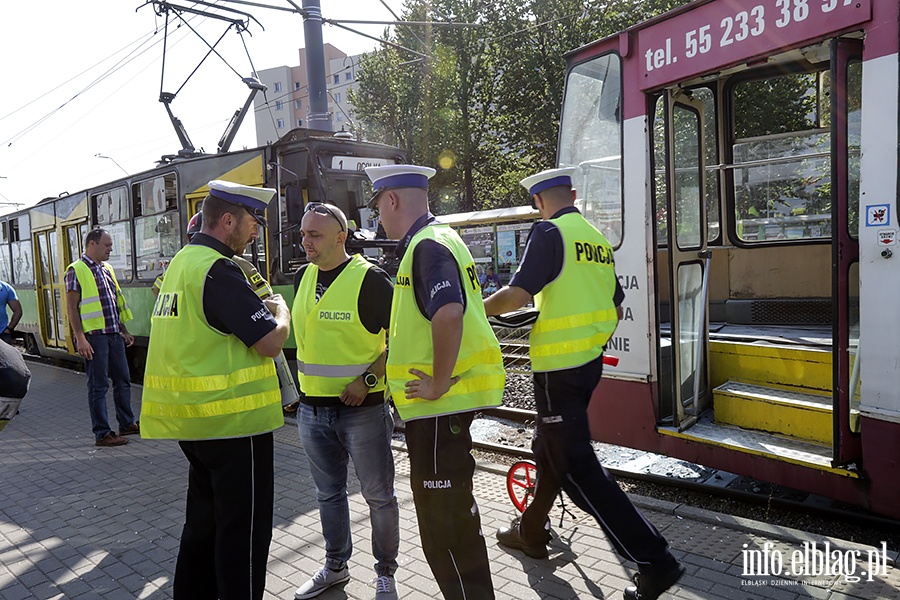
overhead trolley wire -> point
(127, 59)
(212, 48)
(58, 86)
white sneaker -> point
(323, 579)
(385, 588)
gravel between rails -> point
(519, 393)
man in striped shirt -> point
(97, 314)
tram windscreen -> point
(591, 138)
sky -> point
(82, 79)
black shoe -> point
(511, 538)
(650, 587)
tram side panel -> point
(879, 352)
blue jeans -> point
(109, 362)
(331, 436)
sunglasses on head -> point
(320, 208)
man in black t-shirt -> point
(343, 309)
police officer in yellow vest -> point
(210, 383)
(443, 363)
(341, 312)
(97, 314)
(568, 268)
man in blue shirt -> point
(8, 324)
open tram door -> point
(59, 228)
(688, 258)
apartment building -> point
(285, 105)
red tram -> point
(743, 159)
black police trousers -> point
(228, 523)
(566, 460)
(441, 469)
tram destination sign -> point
(358, 163)
(720, 34)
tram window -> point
(22, 264)
(687, 190)
(5, 268)
(156, 240)
(782, 158)
(54, 255)
(4, 231)
(19, 228)
(854, 103)
(591, 138)
(711, 161)
(120, 259)
(73, 242)
(155, 195)
(660, 160)
(44, 255)
(110, 205)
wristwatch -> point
(370, 378)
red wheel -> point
(520, 482)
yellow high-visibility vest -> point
(577, 314)
(200, 383)
(479, 365)
(333, 346)
(90, 308)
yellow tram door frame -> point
(72, 235)
(58, 231)
(48, 292)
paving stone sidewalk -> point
(81, 522)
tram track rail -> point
(862, 519)
(705, 486)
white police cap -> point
(545, 180)
(254, 199)
(391, 177)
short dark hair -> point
(558, 193)
(94, 235)
(213, 208)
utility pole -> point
(318, 117)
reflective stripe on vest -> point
(577, 314)
(479, 365)
(90, 308)
(333, 346)
(201, 383)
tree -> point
(483, 107)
